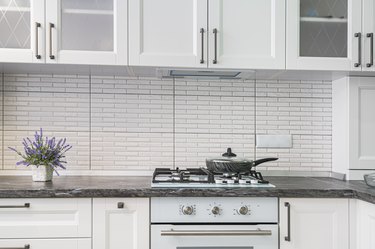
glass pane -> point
(15, 24)
(87, 25)
(323, 28)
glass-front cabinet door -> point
(86, 31)
(22, 31)
(324, 35)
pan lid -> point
(229, 156)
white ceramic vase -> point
(42, 173)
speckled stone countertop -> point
(118, 186)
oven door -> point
(214, 236)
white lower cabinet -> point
(314, 223)
(46, 244)
(364, 214)
(45, 218)
(121, 223)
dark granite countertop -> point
(121, 186)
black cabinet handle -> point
(359, 36)
(37, 26)
(371, 36)
(51, 56)
(24, 247)
(26, 205)
(120, 205)
(215, 46)
(202, 45)
(287, 204)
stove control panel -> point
(211, 209)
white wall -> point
(134, 125)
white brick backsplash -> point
(138, 124)
(207, 114)
(46, 83)
(126, 85)
(308, 152)
(77, 157)
(193, 149)
(215, 88)
(51, 111)
(131, 151)
(132, 113)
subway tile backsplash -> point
(138, 124)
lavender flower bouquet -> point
(44, 155)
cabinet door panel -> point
(321, 35)
(250, 33)
(45, 218)
(87, 32)
(21, 40)
(117, 226)
(365, 225)
(315, 223)
(167, 33)
(362, 123)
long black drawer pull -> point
(26, 205)
(359, 36)
(24, 247)
(371, 36)
(287, 204)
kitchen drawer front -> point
(46, 244)
(45, 218)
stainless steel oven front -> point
(214, 223)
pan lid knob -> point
(229, 153)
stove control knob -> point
(215, 210)
(187, 210)
(244, 210)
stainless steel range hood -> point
(205, 74)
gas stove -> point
(203, 178)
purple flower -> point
(43, 152)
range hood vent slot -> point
(204, 74)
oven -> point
(214, 223)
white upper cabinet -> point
(324, 35)
(22, 31)
(361, 123)
(247, 34)
(168, 33)
(86, 32)
(176, 33)
(314, 223)
(368, 24)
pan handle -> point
(260, 161)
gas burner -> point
(203, 177)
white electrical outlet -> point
(274, 141)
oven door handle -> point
(257, 232)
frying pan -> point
(229, 163)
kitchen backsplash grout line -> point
(255, 119)
(2, 120)
(174, 123)
(90, 122)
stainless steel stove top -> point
(202, 178)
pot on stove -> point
(230, 163)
